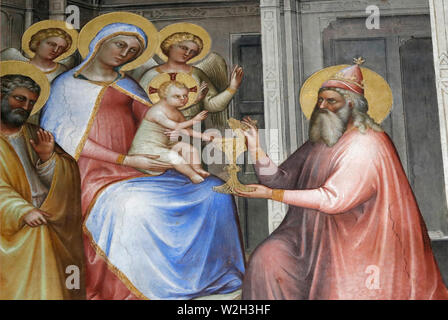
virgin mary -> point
(147, 237)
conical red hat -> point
(349, 78)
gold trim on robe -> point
(120, 275)
(34, 261)
(90, 123)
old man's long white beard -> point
(328, 127)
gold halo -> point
(185, 78)
(47, 24)
(376, 90)
(27, 69)
(190, 28)
(90, 30)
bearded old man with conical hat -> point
(353, 229)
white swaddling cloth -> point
(151, 139)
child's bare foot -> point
(202, 172)
(196, 179)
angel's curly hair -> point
(48, 33)
(178, 37)
(164, 87)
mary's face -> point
(183, 51)
(51, 48)
(119, 50)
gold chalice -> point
(232, 148)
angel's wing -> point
(69, 62)
(215, 67)
(138, 73)
(12, 54)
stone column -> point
(57, 9)
(28, 14)
(439, 30)
(293, 74)
(274, 105)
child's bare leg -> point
(192, 156)
(201, 171)
(188, 171)
(196, 163)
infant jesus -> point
(152, 136)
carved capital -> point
(269, 3)
(324, 22)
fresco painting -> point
(145, 157)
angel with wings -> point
(182, 44)
(49, 45)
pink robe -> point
(353, 229)
(114, 127)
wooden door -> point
(248, 101)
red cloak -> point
(353, 229)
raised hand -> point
(252, 136)
(236, 77)
(35, 218)
(200, 116)
(202, 92)
(44, 146)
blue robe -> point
(163, 236)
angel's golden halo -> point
(194, 29)
(48, 24)
(90, 30)
(27, 69)
(185, 78)
(376, 90)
